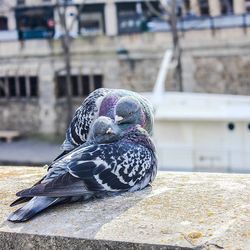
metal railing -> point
(203, 22)
(156, 25)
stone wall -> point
(20, 115)
(138, 74)
(212, 62)
(222, 70)
(223, 74)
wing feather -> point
(63, 186)
(114, 167)
(78, 129)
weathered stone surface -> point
(208, 211)
(11, 119)
(225, 74)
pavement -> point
(179, 211)
(28, 152)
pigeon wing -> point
(114, 167)
(64, 185)
(84, 116)
(117, 166)
(57, 178)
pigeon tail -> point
(32, 208)
(20, 200)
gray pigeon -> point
(127, 110)
(112, 161)
(97, 134)
(104, 102)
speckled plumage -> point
(102, 102)
(128, 164)
(84, 116)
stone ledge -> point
(179, 211)
(33, 241)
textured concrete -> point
(193, 210)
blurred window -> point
(97, 81)
(187, 5)
(19, 87)
(36, 22)
(33, 86)
(85, 85)
(2, 87)
(247, 4)
(22, 86)
(12, 86)
(75, 87)
(226, 7)
(91, 24)
(61, 86)
(3, 23)
(204, 7)
(81, 85)
(91, 20)
(20, 2)
(133, 16)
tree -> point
(169, 15)
(66, 41)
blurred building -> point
(203, 132)
(38, 18)
(117, 44)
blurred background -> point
(191, 58)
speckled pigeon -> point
(126, 109)
(97, 134)
(104, 102)
(126, 161)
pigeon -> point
(112, 161)
(103, 102)
(97, 134)
(127, 112)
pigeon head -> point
(129, 111)
(104, 130)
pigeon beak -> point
(109, 131)
(118, 118)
